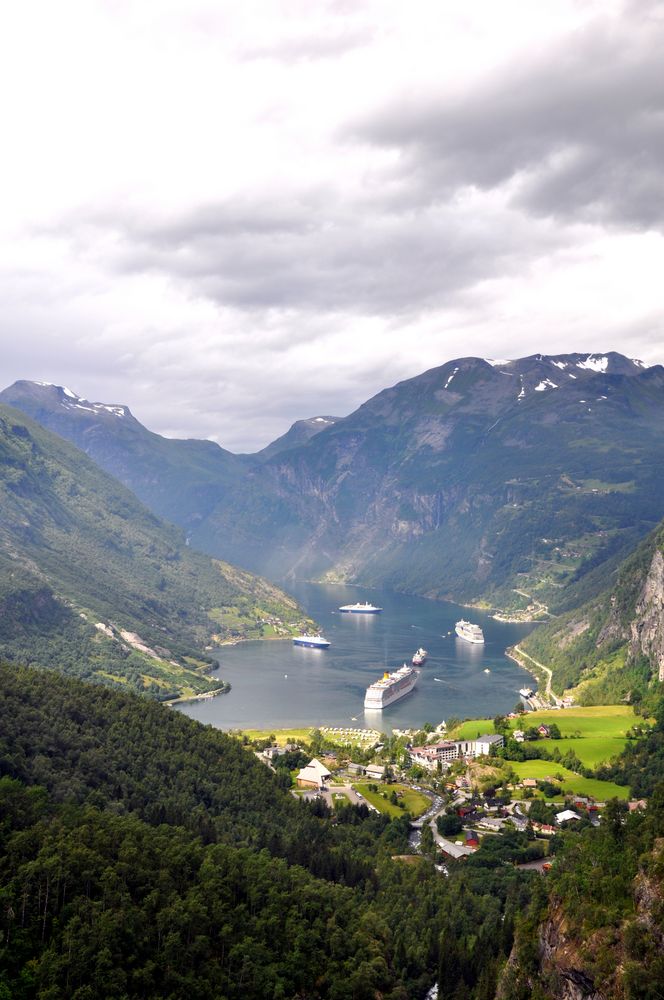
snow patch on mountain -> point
(594, 363)
(546, 384)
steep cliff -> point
(590, 956)
(611, 647)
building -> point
(355, 768)
(429, 757)
(544, 731)
(529, 783)
(375, 771)
(484, 744)
(566, 816)
(518, 735)
(314, 775)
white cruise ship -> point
(468, 631)
(391, 687)
(311, 641)
(360, 609)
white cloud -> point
(233, 216)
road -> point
(548, 693)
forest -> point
(146, 852)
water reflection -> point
(276, 684)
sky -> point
(230, 216)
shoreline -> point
(203, 696)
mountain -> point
(180, 480)
(611, 647)
(91, 581)
(299, 433)
(506, 482)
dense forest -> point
(144, 855)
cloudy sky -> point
(232, 215)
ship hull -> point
(360, 611)
(311, 644)
(384, 697)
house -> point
(271, 753)
(529, 783)
(636, 805)
(472, 839)
(566, 816)
(355, 768)
(544, 828)
(518, 735)
(314, 775)
(375, 771)
(544, 731)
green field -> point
(415, 802)
(601, 790)
(601, 730)
(281, 736)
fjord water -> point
(276, 684)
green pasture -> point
(281, 736)
(415, 803)
(601, 730)
(540, 769)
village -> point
(465, 793)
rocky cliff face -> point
(647, 629)
(619, 961)
(612, 645)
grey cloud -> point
(579, 131)
(345, 259)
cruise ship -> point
(391, 687)
(360, 609)
(468, 631)
(311, 641)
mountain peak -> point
(60, 395)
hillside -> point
(595, 931)
(611, 647)
(479, 480)
(92, 582)
(145, 856)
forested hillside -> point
(596, 929)
(611, 648)
(78, 552)
(143, 855)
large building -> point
(314, 775)
(446, 752)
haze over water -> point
(276, 684)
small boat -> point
(311, 641)
(419, 658)
(486, 670)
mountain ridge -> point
(93, 582)
(473, 480)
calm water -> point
(275, 684)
